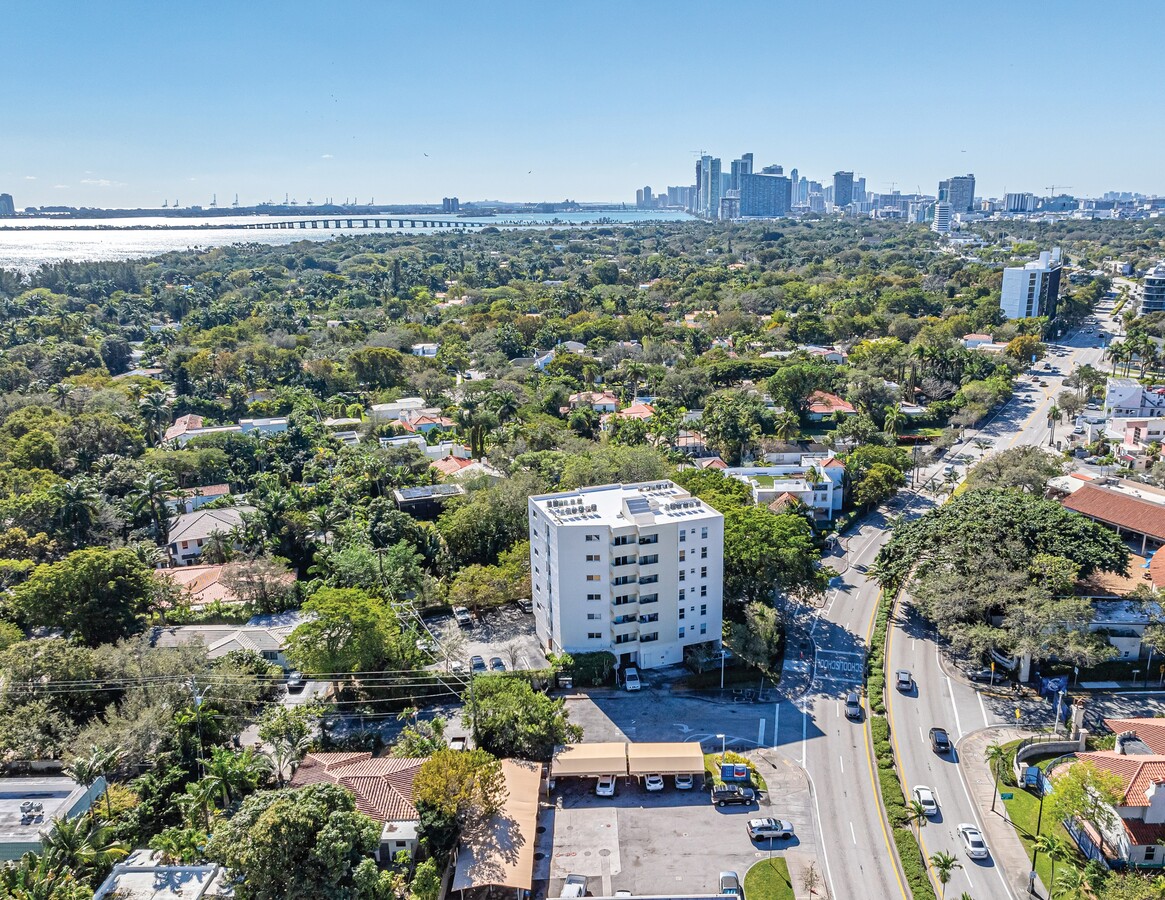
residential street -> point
(837, 753)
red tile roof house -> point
(382, 786)
(823, 405)
(1139, 760)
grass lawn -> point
(1024, 810)
(712, 771)
(736, 675)
(769, 880)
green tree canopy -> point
(510, 718)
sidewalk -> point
(1006, 848)
(789, 785)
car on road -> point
(1043, 384)
(685, 782)
(733, 795)
(986, 675)
(526, 605)
(653, 782)
(730, 884)
(496, 664)
(925, 797)
(464, 619)
(574, 886)
(461, 742)
(853, 706)
(973, 842)
(939, 741)
(295, 682)
(477, 665)
(631, 679)
(605, 786)
(904, 681)
(764, 829)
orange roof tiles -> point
(1113, 508)
(382, 786)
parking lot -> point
(505, 632)
(666, 843)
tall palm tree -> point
(786, 426)
(996, 757)
(235, 773)
(895, 419)
(505, 405)
(61, 393)
(77, 502)
(179, 846)
(944, 866)
(1055, 848)
(82, 845)
(155, 412)
(98, 764)
(916, 816)
(149, 496)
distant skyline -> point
(129, 104)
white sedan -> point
(653, 782)
(926, 799)
(973, 843)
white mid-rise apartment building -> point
(1127, 398)
(1032, 289)
(636, 569)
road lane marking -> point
(890, 852)
(841, 762)
(983, 707)
(950, 691)
(824, 844)
(853, 833)
(978, 824)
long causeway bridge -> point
(377, 222)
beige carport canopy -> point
(581, 760)
(672, 758)
(501, 854)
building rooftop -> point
(1140, 509)
(141, 877)
(383, 787)
(202, 523)
(624, 504)
(58, 798)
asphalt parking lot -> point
(667, 843)
(506, 632)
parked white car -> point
(605, 786)
(653, 782)
(631, 679)
(685, 782)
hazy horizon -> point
(546, 102)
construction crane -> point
(214, 201)
(236, 203)
(1051, 189)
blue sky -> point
(126, 103)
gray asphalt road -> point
(953, 703)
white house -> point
(29, 805)
(392, 412)
(426, 351)
(190, 531)
(635, 569)
(1128, 398)
(190, 499)
(818, 482)
(273, 425)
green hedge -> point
(876, 658)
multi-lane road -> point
(836, 753)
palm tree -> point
(61, 393)
(98, 764)
(1056, 849)
(235, 773)
(944, 866)
(34, 877)
(996, 756)
(82, 845)
(895, 419)
(179, 846)
(219, 548)
(916, 816)
(1071, 884)
(149, 496)
(786, 426)
(77, 502)
(505, 405)
(155, 412)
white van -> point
(631, 679)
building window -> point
(592, 578)
(648, 598)
(595, 597)
(704, 534)
(624, 539)
(681, 612)
(683, 536)
(536, 553)
(683, 594)
(648, 638)
(683, 555)
(624, 638)
(703, 609)
(1150, 853)
(683, 575)
(681, 631)
(649, 539)
(703, 553)
(595, 617)
(594, 636)
(649, 579)
(703, 628)
(592, 557)
(703, 571)
(592, 537)
(703, 590)
(650, 560)
(649, 617)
